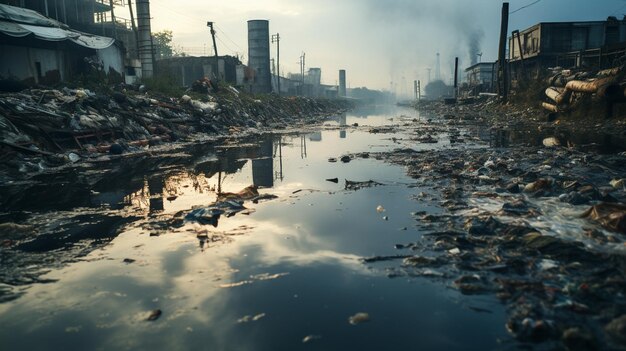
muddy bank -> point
(541, 225)
(520, 122)
(44, 129)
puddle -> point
(102, 256)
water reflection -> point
(296, 260)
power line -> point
(526, 6)
(228, 38)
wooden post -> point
(502, 71)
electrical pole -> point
(456, 77)
(504, 28)
(132, 23)
(302, 63)
(276, 39)
(429, 69)
(217, 64)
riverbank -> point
(41, 130)
(537, 219)
(527, 122)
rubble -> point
(43, 129)
(562, 283)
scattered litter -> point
(359, 318)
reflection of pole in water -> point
(303, 146)
(155, 188)
(263, 167)
(280, 157)
(219, 182)
(343, 119)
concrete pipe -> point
(588, 87)
(550, 107)
(553, 93)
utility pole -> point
(456, 77)
(429, 69)
(302, 63)
(132, 24)
(502, 71)
(415, 88)
(217, 64)
(276, 39)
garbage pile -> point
(541, 228)
(63, 126)
(568, 89)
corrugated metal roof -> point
(20, 22)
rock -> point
(576, 339)
(513, 188)
(116, 149)
(333, 180)
(616, 330)
(345, 159)
(482, 226)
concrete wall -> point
(112, 59)
(34, 65)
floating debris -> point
(359, 318)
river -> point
(285, 274)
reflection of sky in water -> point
(315, 236)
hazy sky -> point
(376, 41)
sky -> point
(381, 43)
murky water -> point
(263, 279)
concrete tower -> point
(342, 83)
(259, 55)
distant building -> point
(480, 77)
(186, 70)
(568, 44)
(35, 49)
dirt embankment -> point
(42, 129)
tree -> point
(163, 44)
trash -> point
(359, 318)
(356, 185)
(310, 338)
(247, 193)
(333, 180)
(128, 260)
(154, 315)
(380, 209)
(610, 216)
(73, 157)
(551, 142)
(248, 318)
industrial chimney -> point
(259, 55)
(342, 83)
(145, 38)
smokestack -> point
(145, 38)
(259, 55)
(438, 69)
(342, 83)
